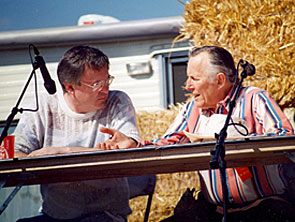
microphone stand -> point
(15, 109)
(218, 161)
(4, 133)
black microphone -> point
(49, 84)
(249, 68)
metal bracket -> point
(22, 178)
(11, 195)
(290, 155)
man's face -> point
(88, 99)
(205, 92)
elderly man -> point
(69, 122)
(210, 78)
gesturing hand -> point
(117, 141)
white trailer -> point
(144, 61)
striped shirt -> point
(263, 117)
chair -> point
(140, 186)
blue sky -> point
(35, 14)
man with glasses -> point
(69, 122)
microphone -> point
(49, 84)
(249, 68)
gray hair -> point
(220, 58)
(72, 65)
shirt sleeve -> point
(175, 133)
(268, 118)
(32, 128)
(123, 116)
(28, 135)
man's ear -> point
(69, 88)
(221, 79)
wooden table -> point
(147, 160)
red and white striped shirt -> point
(263, 117)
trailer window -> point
(174, 78)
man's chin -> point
(100, 105)
(199, 103)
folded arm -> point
(45, 151)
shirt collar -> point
(226, 100)
(65, 107)
(221, 103)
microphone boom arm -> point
(218, 161)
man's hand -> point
(46, 151)
(59, 150)
(117, 141)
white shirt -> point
(54, 124)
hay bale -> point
(153, 125)
(261, 32)
(169, 187)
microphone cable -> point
(35, 82)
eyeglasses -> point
(100, 84)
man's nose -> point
(188, 85)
